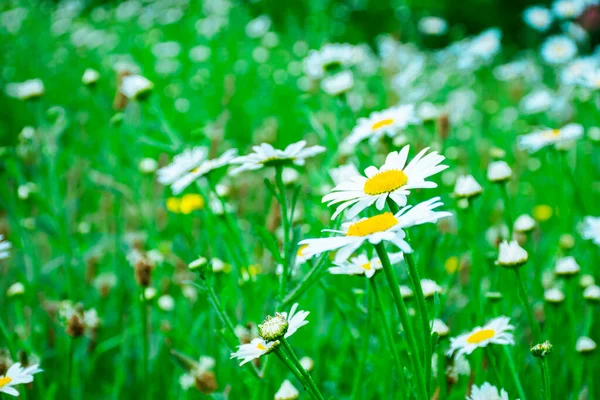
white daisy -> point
(566, 266)
(466, 186)
(343, 173)
(487, 392)
(16, 375)
(498, 171)
(5, 246)
(287, 391)
(495, 331)
(554, 295)
(296, 320)
(135, 86)
(534, 141)
(580, 71)
(30, 89)
(568, 9)
(585, 345)
(591, 80)
(590, 230)
(393, 180)
(538, 101)
(538, 18)
(383, 227)
(359, 265)
(331, 57)
(558, 49)
(338, 84)
(511, 255)
(387, 122)
(524, 223)
(182, 165)
(430, 288)
(203, 168)
(438, 326)
(90, 76)
(434, 26)
(592, 293)
(265, 155)
(307, 363)
(15, 289)
(406, 292)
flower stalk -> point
(308, 379)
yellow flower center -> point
(382, 123)
(481, 335)
(385, 182)
(366, 267)
(5, 380)
(378, 223)
(261, 347)
(301, 249)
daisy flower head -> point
(330, 58)
(566, 266)
(585, 345)
(287, 391)
(266, 155)
(495, 331)
(90, 77)
(434, 26)
(487, 392)
(534, 141)
(554, 296)
(579, 71)
(5, 246)
(28, 90)
(524, 223)
(253, 350)
(498, 171)
(430, 288)
(511, 255)
(558, 49)
(203, 168)
(385, 227)
(135, 87)
(538, 18)
(590, 230)
(388, 122)
(568, 9)
(591, 80)
(394, 179)
(467, 187)
(359, 265)
(338, 83)
(16, 375)
(592, 293)
(182, 165)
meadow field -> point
(320, 199)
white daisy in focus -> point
(466, 186)
(16, 375)
(135, 86)
(265, 155)
(5, 246)
(385, 227)
(590, 230)
(538, 18)
(338, 84)
(495, 331)
(332, 57)
(359, 265)
(434, 26)
(393, 180)
(388, 122)
(203, 168)
(487, 392)
(558, 49)
(182, 165)
(568, 9)
(287, 391)
(534, 141)
(30, 89)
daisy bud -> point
(497, 153)
(585, 345)
(197, 264)
(90, 77)
(541, 350)
(566, 267)
(511, 255)
(15, 289)
(466, 187)
(148, 165)
(554, 296)
(524, 223)
(166, 303)
(28, 90)
(592, 294)
(499, 172)
(75, 325)
(135, 87)
(287, 391)
(143, 272)
(430, 288)
(438, 326)
(149, 293)
(273, 328)
(307, 363)
(586, 280)
(494, 297)
(566, 241)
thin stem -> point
(144, 317)
(533, 324)
(7, 339)
(307, 281)
(494, 364)
(413, 349)
(305, 374)
(357, 386)
(514, 374)
(288, 363)
(507, 208)
(70, 366)
(286, 231)
(545, 378)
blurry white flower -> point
(307, 363)
(149, 293)
(25, 190)
(534, 141)
(200, 53)
(388, 122)
(466, 186)
(511, 255)
(566, 266)
(558, 49)
(580, 71)
(135, 86)
(438, 326)
(434, 26)
(430, 288)
(5, 246)
(203, 168)
(525, 68)
(554, 295)
(90, 76)
(343, 173)
(17, 375)
(487, 392)
(91, 319)
(166, 302)
(538, 17)
(585, 345)
(592, 293)
(148, 165)
(591, 79)
(406, 292)
(169, 49)
(495, 331)
(524, 223)
(287, 391)
(498, 171)
(393, 180)
(590, 230)
(331, 58)
(217, 264)
(15, 289)
(359, 265)
(337, 84)
(27, 90)
(537, 101)
(575, 31)
(568, 9)
(182, 165)
(258, 26)
(265, 155)
(187, 381)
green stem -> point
(533, 324)
(413, 349)
(508, 210)
(288, 363)
(513, 372)
(307, 281)
(70, 375)
(545, 378)
(286, 231)
(305, 374)
(145, 347)
(7, 339)
(358, 384)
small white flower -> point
(135, 86)
(434, 26)
(203, 168)
(331, 57)
(566, 266)
(385, 227)
(197, 263)
(287, 391)
(558, 49)
(495, 331)
(554, 295)
(498, 171)
(590, 230)
(16, 375)
(187, 381)
(511, 255)
(438, 326)
(568, 9)
(538, 18)
(258, 26)
(538, 101)
(592, 293)
(166, 302)
(338, 84)
(91, 318)
(182, 165)
(534, 141)
(5, 246)
(27, 90)
(524, 223)
(253, 350)
(487, 392)
(148, 165)
(585, 345)
(265, 155)
(90, 76)
(466, 186)
(307, 363)
(359, 265)
(430, 288)
(406, 292)
(15, 289)
(388, 122)
(149, 293)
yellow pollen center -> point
(301, 250)
(261, 347)
(481, 335)
(385, 182)
(378, 223)
(382, 123)
(5, 380)
(366, 267)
